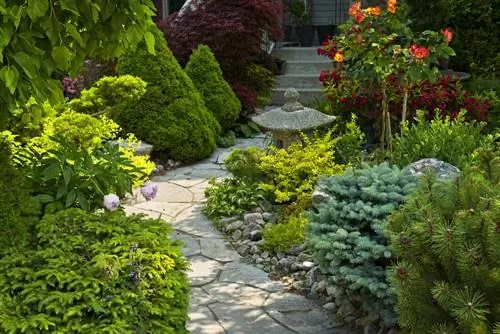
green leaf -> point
(75, 34)
(70, 5)
(37, 8)
(51, 172)
(150, 42)
(44, 198)
(70, 199)
(28, 64)
(16, 14)
(10, 76)
(67, 175)
(62, 56)
(61, 191)
(82, 200)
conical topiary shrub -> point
(203, 68)
(171, 115)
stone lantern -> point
(286, 123)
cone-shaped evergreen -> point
(171, 115)
(205, 72)
(347, 239)
(447, 238)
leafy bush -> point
(19, 212)
(346, 234)
(226, 140)
(246, 129)
(260, 80)
(233, 31)
(231, 197)
(450, 141)
(171, 115)
(349, 146)
(96, 273)
(244, 164)
(142, 166)
(282, 236)
(205, 72)
(447, 241)
(292, 172)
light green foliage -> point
(346, 234)
(292, 172)
(349, 146)
(443, 139)
(447, 241)
(291, 231)
(231, 197)
(18, 210)
(142, 166)
(205, 72)
(107, 93)
(96, 273)
(171, 115)
(244, 164)
(81, 179)
(39, 38)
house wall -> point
(329, 12)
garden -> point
(390, 218)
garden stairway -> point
(301, 71)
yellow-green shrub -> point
(139, 161)
(281, 237)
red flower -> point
(419, 52)
(448, 35)
(355, 8)
(359, 17)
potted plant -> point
(301, 10)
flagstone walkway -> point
(228, 295)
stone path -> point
(228, 295)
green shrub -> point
(171, 115)
(231, 197)
(96, 273)
(226, 140)
(282, 236)
(244, 164)
(292, 172)
(258, 74)
(205, 72)
(447, 241)
(346, 234)
(349, 146)
(452, 141)
(246, 129)
(19, 212)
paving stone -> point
(192, 244)
(242, 319)
(216, 249)
(238, 272)
(203, 270)
(130, 210)
(202, 321)
(209, 173)
(235, 293)
(188, 181)
(305, 322)
(288, 302)
(200, 298)
(198, 191)
(172, 193)
(193, 221)
(170, 209)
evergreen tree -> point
(205, 72)
(346, 235)
(171, 115)
(447, 240)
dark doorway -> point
(175, 5)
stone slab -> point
(172, 193)
(192, 244)
(203, 270)
(307, 322)
(170, 209)
(235, 293)
(193, 221)
(289, 302)
(199, 297)
(202, 322)
(237, 272)
(218, 250)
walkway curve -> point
(228, 295)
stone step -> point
(309, 67)
(299, 53)
(298, 81)
(306, 94)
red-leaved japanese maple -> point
(233, 30)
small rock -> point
(295, 250)
(267, 216)
(243, 249)
(442, 169)
(280, 256)
(307, 265)
(295, 266)
(252, 218)
(259, 260)
(246, 233)
(177, 164)
(234, 226)
(255, 257)
(170, 163)
(330, 306)
(159, 168)
(321, 287)
(265, 255)
(226, 221)
(346, 308)
(393, 331)
(236, 235)
(274, 260)
(255, 249)
(334, 291)
(255, 227)
(256, 235)
(319, 197)
(297, 285)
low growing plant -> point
(289, 232)
(244, 164)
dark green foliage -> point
(289, 232)
(205, 72)
(96, 273)
(246, 129)
(447, 240)
(226, 140)
(346, 234)
(244, 164)
(231, 197)
(171, 115)
(18, 210)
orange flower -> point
(419, 52)
(373, 10)
(391, 6)
(355, 8)
(339, 57)
(448, 35)
(359, 16)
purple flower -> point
(149, 191)
(133, 275)
(111, 202)
(134, 248)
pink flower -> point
(149, 191)
(111, 202)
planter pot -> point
(305, 34)
(443, 63)
(280, 66)
(325, 31)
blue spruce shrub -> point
(96, 273)
(346, 234)
(171, 115)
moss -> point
(219, 97)
(171, 115)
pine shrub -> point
(205, 72)
(346, 234)
(96, 273)
(447, 241)
(171, 115)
